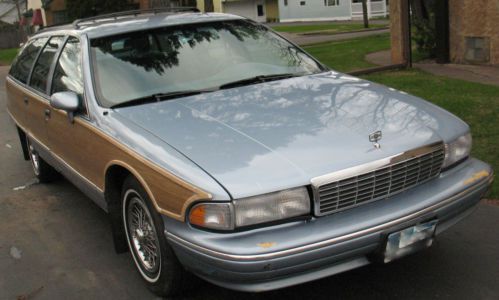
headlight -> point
(457, 150)
(271, 207)
(252, 210)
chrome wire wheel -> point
(142, 236)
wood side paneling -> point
(15, 103)
(90, 152)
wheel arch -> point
(115, 176)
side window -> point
(24, 61)
(68, 75)
(41, 71)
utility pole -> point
(365, 14)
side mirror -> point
(67, 101)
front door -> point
(65, 137)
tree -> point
(78, 9)
(423, 20)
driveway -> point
(56, 244)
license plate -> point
(409, 240)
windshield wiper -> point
(161, 97)
(257, 79)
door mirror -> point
(67, 101)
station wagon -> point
(220, 149)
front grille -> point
(379, 183)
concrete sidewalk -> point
(305, 40)
(474, 73)
(378, 21)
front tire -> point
(43, 171)
(153, 257)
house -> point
(10, 12)
(474, 31)
(296, 10)
(54, 11)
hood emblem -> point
(375, 137)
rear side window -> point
(41, 71)
(24, 61)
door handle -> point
(25, 100)
(47, 114)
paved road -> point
(56, 244)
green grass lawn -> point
(7, 55)
(349, 55)
(477, 104)
(328, 28)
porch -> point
(375, 9)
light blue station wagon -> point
(219, 148)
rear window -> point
(24, 61)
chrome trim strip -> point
(372, 166)
(325, 243)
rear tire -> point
(43, 171)
(153, 257)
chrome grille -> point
(402, 172)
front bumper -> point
(278, 256)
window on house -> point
(331, 2)
(285, 2)
(259, 9)
(303, 3)
(60, 17)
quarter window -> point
(42, 67)
(24, 61)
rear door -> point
(17, 100)
(38, 107)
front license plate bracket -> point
(409, 240)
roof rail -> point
(116, 15)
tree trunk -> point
(365, 14)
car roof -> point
(105, 26)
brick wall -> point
(474, 31)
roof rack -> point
(116, 15)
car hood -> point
(271, 136)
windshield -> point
(190, 57)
